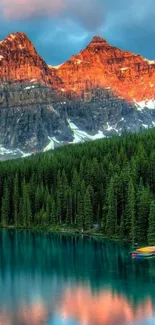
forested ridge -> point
(109, 182)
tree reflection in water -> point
(50, 279)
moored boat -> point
(149, 249)
(141, 255)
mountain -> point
(99, 92)
(101, 65)
(19, 61)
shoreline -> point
(70, 232)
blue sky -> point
(61, 28)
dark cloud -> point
(89, 12)
(131, 25)
(60, 28)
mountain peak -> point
(18, 54)
(97, 40)
(17, 42)
(18, 36)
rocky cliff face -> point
(99, 92)
(34, 118)
(101, 65)
(20, 61)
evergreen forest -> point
(107, 185)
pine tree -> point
(48, 209)
(123, 197)
(38, 202)
(100, 206)
(111, 209)
(58, 206)
(16, 202)
(5, 207)
(75, 190)
(61, 196)
(69, 219)
(130, 222)
(26, 207)
(64, 195)
(21, 212)
(28, 212)
(151, 228)
(80, 212)
(88, 211)
(152, 171)
(143, 208)
(53, 220)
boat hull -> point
(141, 255)
(149, 249)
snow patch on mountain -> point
(145, 126)
(52, 142)
(21, 47)
(81, 136)
(33, 80)
(78, 136)
(55, 66)
(77, 61)
(29, 87)
(4, 152)
(111, 127)
(24, 154)
(124, 69)
(151, 84)
(150, 61)
(150, 104)
(11, 36)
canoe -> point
(143, 255)
(149, 249)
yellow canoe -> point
(149, 249)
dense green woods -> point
(108, 182)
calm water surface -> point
(50, 279)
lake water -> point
(50, 279)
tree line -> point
(109, 183)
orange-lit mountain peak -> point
(97, 41)
(19, 60)
(101, 65)
(17, 42)
(98, 66)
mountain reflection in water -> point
(58, 280)
(81, 306)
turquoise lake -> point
(51, 279)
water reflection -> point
(81, 306)
(103, 308)
(58, 280)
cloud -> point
(25, 9)
(89, 12)
(130, 25)
(61, 28)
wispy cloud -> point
(25, 9)
(89, 12)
